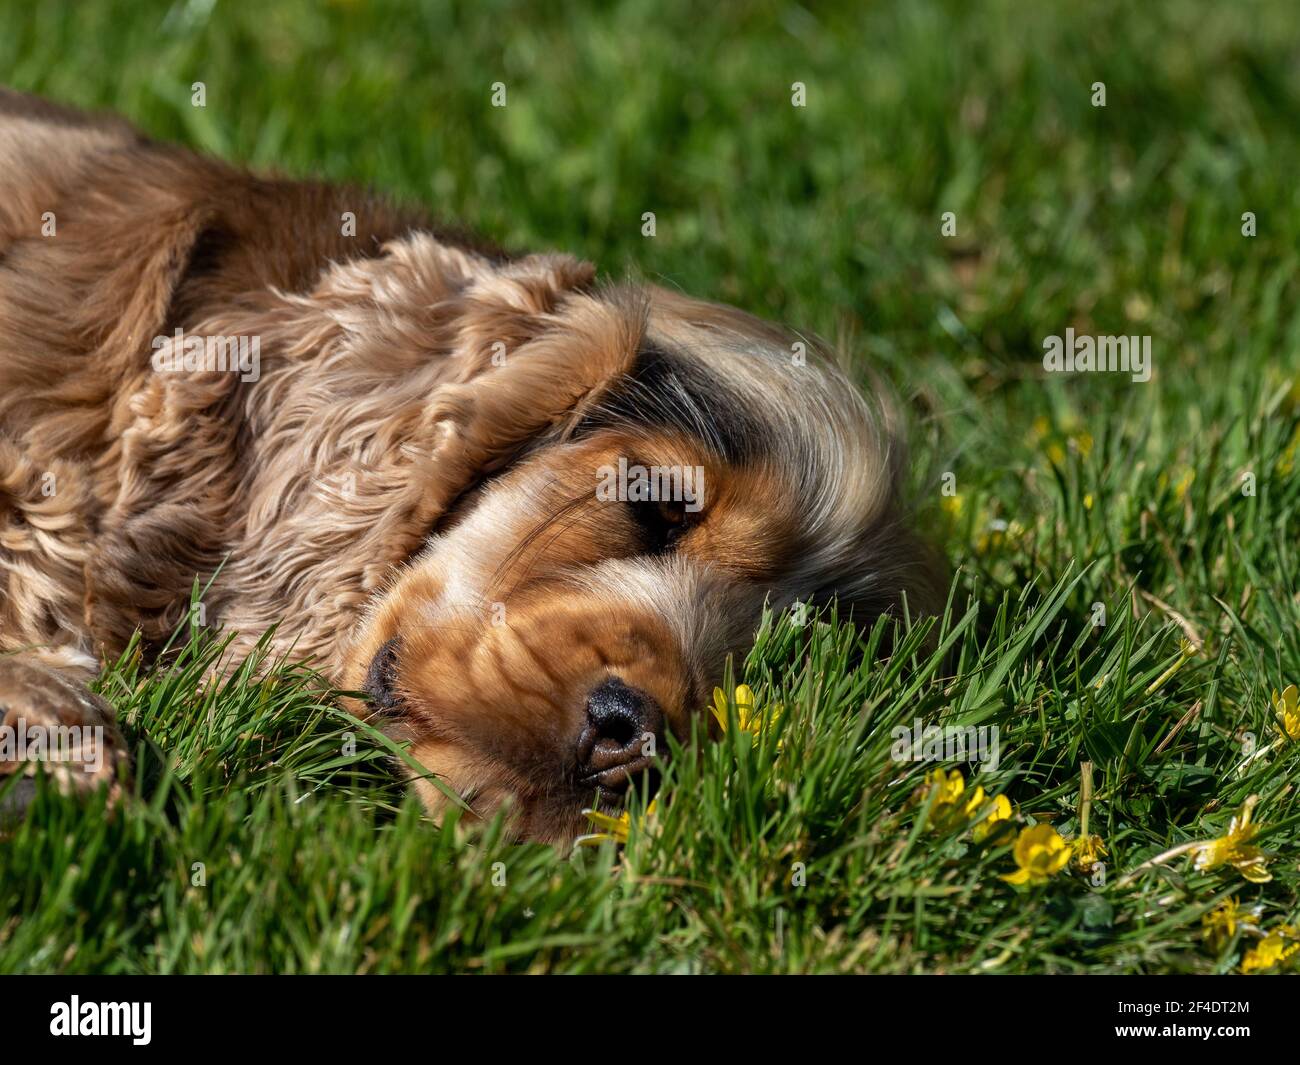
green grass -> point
(1115, 220)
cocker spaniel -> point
(529, 515)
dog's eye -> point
(661, 522)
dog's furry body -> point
(414, 468)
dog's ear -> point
(533, 347)
(469, 360)
(394, 386)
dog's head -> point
(682, 464)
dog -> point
(525, 516)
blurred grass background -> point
(1125, 219)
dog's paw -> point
(50, 722)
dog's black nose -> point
(381, 678)
(621, 738)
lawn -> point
(1101, 529)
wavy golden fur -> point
(408, 486)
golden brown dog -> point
(530, 516)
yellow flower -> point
(616, 829)
(1274, 949)
(1288, 712)
(952, 805)
(998, 819)
(1083, 443)
(951, 505)
(748, 718)
(1086, 851)
(1184, 483)
(1220, 924)
(951, 785)
(1235, 848)
(1040, 853)
(1087, 501)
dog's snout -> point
(624, 725)
(381, 678)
